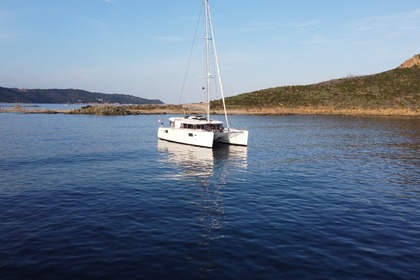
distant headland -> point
(68, 96)
(391, 93)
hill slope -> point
(14, 95)
(395, 89)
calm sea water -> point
(315, 197)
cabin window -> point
(166, 131)
(190, 134)
(186, 125)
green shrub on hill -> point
(398, 88)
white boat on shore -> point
(201, 130)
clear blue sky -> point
(141, 47)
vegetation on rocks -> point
(108, 110)
(393, 90)
(105, 110)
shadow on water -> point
(209, 169)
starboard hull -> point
(235, 137)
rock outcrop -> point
(414, 61)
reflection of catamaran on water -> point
(200, 130)
(198, 161)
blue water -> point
(52, 106)
(311, 197)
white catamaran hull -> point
(187, 136)
(203, 138)
(235, 137)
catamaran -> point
(201, 130)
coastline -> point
(329, 111)
(115, 110)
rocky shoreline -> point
(118, 110)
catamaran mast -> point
(210, 36)
(207, 58)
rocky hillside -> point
(395, 89)
(70, 96)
